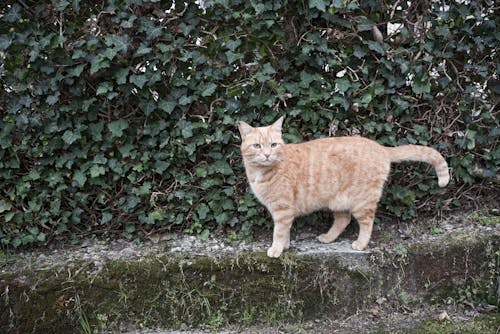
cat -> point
(343, 174)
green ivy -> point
(118, 117)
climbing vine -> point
(119, 116)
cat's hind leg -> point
(365, 219)
(342, 219)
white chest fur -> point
(257, 177)
(258, 188)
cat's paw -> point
(356, 245)
(324, 238)
(274, 252)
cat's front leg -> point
(281, 234)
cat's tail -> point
(425, 154)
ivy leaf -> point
(110, 53)
(343, 84)
(164, 48)
(204, 235)
(97, 170)
(161, 166)
(202, 211)
(365, 24)
(138, 80)
(421, 85)
(62, 4)
(70, 137)
(100, 159)
(366, 98)
(185, 100)
(5, 42)
(33, 175)
(79, 178)
(52, 99)
(167, 106)
(16, 242)
(338, 3)
(14, 14)
(121, 42)
(41, 237)
(78, 53)
(318, 4)
(144, 189)
(222, 167)
(75, 71)
(95, 130)
(376, 46)
(233, 56)
(233, 44)
(147, 107)
(209, 89)
(121, 76)
(127, 24)
(97, 63)
(34, 54)
(4, 206)
(306, 78)
(106, 217)
(76, 5)
(186, 128)
(142, 50)
(129, 228)
(131, 203)
(116, 127)
(103, 88)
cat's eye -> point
(256, 146)
(273, 145)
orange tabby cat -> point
(345, 175)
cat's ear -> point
(244, 129)
(278, 124)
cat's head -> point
(261, 146)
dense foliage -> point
(119, 116)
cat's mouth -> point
(266, 162)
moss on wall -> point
(161, 290)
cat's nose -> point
(267, 155)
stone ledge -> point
(122, 286)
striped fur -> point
(345, 175)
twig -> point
(458, 76)
(394, 8)
(211, 110)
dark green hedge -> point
(119, 116)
